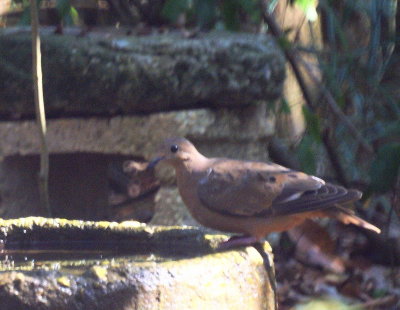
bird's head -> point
(174, 152)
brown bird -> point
(252, 198)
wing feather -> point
(327, 196)
(252, 188)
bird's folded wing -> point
(327, 196)
(251, 188)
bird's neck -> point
(187, 176)
(193, 166)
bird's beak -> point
(154, 162)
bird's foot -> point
(237, 241)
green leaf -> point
(67, 12)
(73, 13)
(72, 17)
(313, 124)
(306, 154)
(385, 168)
(309, 7)
(173, 8)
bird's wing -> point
(241, 188)
(327, 196)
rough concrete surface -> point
(106, 74)
(179, 269)
(139, 135)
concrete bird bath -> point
(214, 89)
(61, 264)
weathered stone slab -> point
(179, 269)
(139, 135)
(100, 74)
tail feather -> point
(347, 217)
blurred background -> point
(336, 114)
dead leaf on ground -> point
(315, 246)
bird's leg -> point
(269, 268)
(237, 241)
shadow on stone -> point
(81, 185)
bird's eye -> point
(174, 148)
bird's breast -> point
(187, 185)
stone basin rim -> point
(54, 233)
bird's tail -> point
(348, 217)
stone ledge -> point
(195, 276)
(108, 74)
(139, 135)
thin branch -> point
(291, 56)
(294, 59)
(337, 110)
(39, 108)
